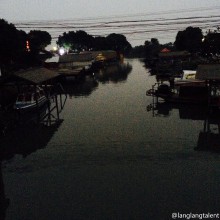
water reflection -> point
(209, 136)
(115, 72)
(164, 109)
(26, 139)
(82, 88)
(23, 135)
(108, 141)
(22, 140)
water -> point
(112, 158)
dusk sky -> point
(138, 20)
(14, 10)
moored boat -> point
(194, 92)
(30, 100)
(190, 88)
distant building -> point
(174, 55)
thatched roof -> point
(36, 75)
(208, 72)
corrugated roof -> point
(208, 72)
(36, 75)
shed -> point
(75, 60)
(174, 54)
(208, 72)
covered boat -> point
(183, 91)
(195, 93)
(30, 100)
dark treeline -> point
(19, 49)
(80, 40)
(191, 39)
(22, 50)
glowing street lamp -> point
(61, 51)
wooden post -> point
(61, 103)
(58, 117)
(37, 104)
(49, 112)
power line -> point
(139, 24)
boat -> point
(189, 74)
(184, 91)
(30, 100)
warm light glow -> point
(54, 48)
(27, 46)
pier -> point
(30, 80)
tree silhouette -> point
(12, 45)
(100, 43)
(152, 48)
(78, 40)
(39, 40)
(118, 42)
(211, 43)
(190, 39)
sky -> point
(13, 10)
(23, 12)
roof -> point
(208, 72)
(174, 54)
(36, 75)
(165, 50)
(108, 54)
(67, 58)
(86, 56)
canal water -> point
(114, 155)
